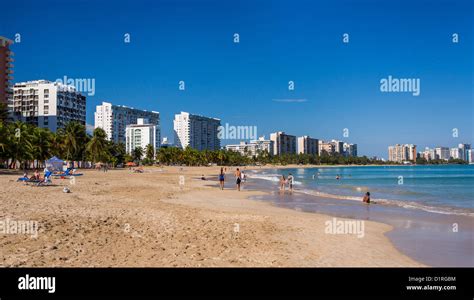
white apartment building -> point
(283, 143)
(141, 135)
(254, 148)
(307, 145)
(401, 153)
(47, 104)
(338, 146)
(455, 153)
(196, 131)
(327, 147)
(113, 119)
(442, 153)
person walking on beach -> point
(290, 182)
(221, 179)
(282, 183)
(238, 176)
(366, 198)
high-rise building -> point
(307, 145)
(6, 69)
(470, 156)
(47, 104)
(455, 153)
(141, 135)
(196, 131)
(350, 149)
(463, 148)
(113, 119)
(326, 147)
(338, 146)
(283, 143)
(401, 153)
(442, 153)
(409, 152)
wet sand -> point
(433, 239)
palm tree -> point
(137, 153)
(4, 116)
(97, 146)
(150, 152)
(74, 140)
(20, 143)
(41, 144)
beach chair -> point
(46, 180)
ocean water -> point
(445, 189)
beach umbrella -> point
(55, 164)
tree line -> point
(24, 145)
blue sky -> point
(280, 41)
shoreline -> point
(126, 219)
(425, 236)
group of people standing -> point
(240, 178)
(284, 181)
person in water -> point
(221, 179)
(282, 183)
(366, 198)
(290, 182)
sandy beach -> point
(120, 218)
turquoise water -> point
(443, 189)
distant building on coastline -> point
(350, 149)
(254, 148)
(47, 104)
(470, 156)
(327, 147)
(113, 119)
(6, 69)
(307, 145)
(283, 143)
(402, 153)
(338, 146)
(141, 135)
(463, 151)
(442, 153)
(195, 131)
(455, 153)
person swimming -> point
(366, 198)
